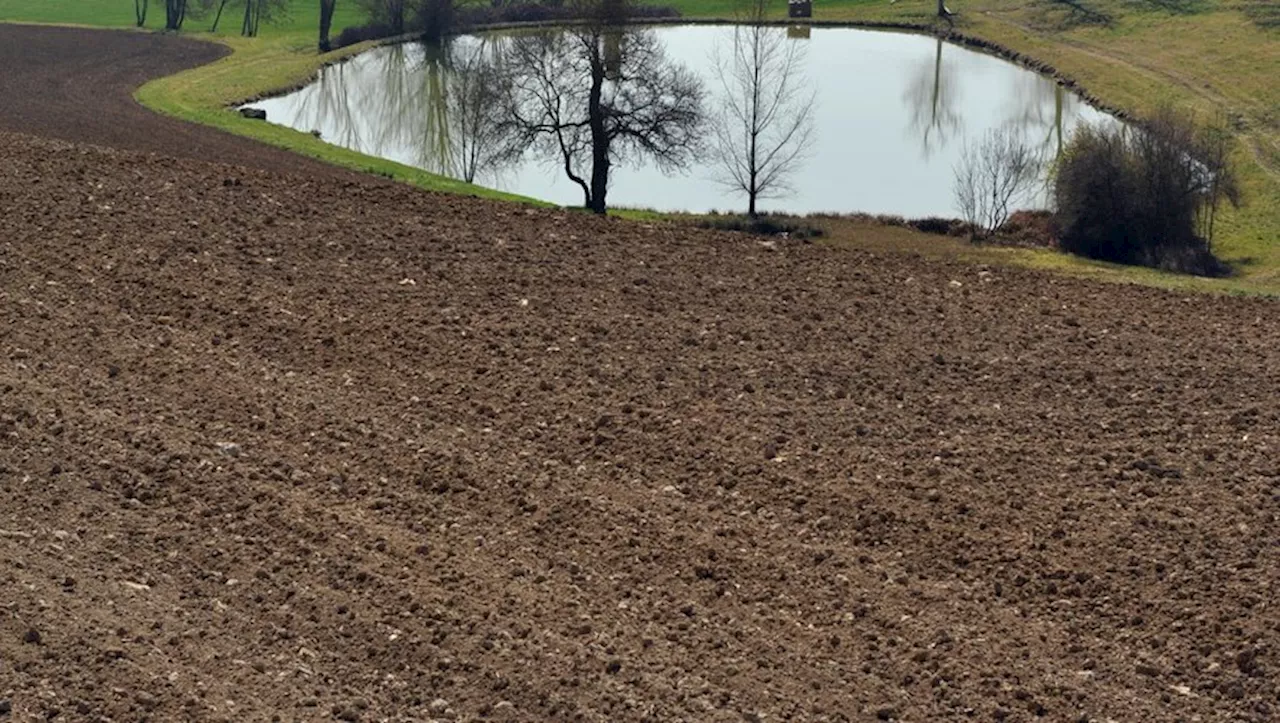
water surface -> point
(892, 117)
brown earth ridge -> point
(277, 445)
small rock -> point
(886, 712)
(439, 705)
(613, 667)
(253, 113)
(231, 449)
(1247, 661)
(32, 637)
(5, 707)
(345, 714)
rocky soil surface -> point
(275, 447)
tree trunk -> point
(221, 6)
(173, 14)
(140, 12)
(599, 136)
(326, 22)
(246, 25)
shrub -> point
(361, 33)
(992, 177)
(763, 225)
(1028, 229)
(1144, 195)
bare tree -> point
(765, 123)
(257, 11)
(254, 13)
(326, 23)
(140, 12)
(993, 176)
(1217, 178)
(217, 16)
(574, 101)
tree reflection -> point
(436, 106)
(587, 98)
(1042, 114)
(933, 96)
(476, 102)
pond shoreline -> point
(884, 86)
(971, 42)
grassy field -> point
(302, 19)
(1213, 55)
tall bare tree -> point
(576, 102)
(326, 23)
(765, 123)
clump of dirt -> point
(316, 449)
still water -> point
(892, 115)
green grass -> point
(301, 20)
(1214, 57)
(202, 95)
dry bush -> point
(992, 177)
(1145, 195)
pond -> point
(889, 117)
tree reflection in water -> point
(440, 101)
(933, 96)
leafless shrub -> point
(992, 177)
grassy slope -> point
(1213, 58)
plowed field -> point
(275, 446)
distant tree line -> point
(433, 19)
(252, 12)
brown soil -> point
(306, 449)
(78, 85)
